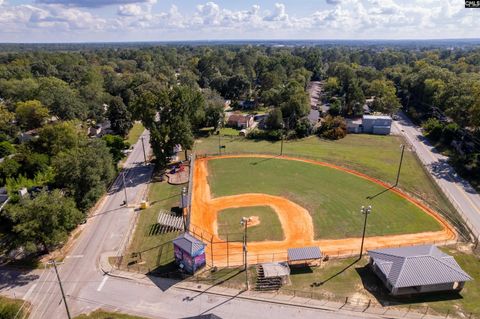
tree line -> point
(178, 90)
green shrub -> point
(333, 128)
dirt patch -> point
(253, 221)
(296, 221)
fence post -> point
(211, 249)
(228, 255)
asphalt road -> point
(460, 193)
(88, 288)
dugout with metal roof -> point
(189, 253)
(307, 256)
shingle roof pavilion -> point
(417, 266)
(188, 243)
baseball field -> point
(295, 202)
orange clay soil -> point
(253, 221)
(295, 220)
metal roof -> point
(275, 270)
(188, 243)
(417, 266)
(377, 117)
(304, 253)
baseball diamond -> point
(299, 219)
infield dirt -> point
(296, 222)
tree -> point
(84, 172)
(238, 86)
(333, 128)
(44, 220)
(303, 128)
(61, 99)
(274, 120)
(57, 137)
(332, 86)
(386, 100)
(119, 116)
(6, 118)
(6, 148)
(354, 99)
(175, 113)
(117, 145)
(31, 114)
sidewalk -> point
(355, 310)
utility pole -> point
(144, 154)
(365, 211)
(124, 188)
(400, 164)
(244, 221)
(61, 288)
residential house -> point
(417, 269)
(240, 121)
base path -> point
(296, 222)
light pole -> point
(400, 164)
(244, 221)
(365, 211)
(125, 188)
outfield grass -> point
(100, 314)
(374, 155)
(135, 133)
(332, 197)
(268, 229)
(156, 249)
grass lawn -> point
(100, 314)
(377, 156)
(332, 197)
(135, 133)
(338, 279)
(10, 307)
(228, 131)
(268, 229)
(154, 249)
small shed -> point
(189, 253)
(304, 256)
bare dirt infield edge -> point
(296, 222)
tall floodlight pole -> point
(144, 154)
(365, 211)
(61, 288)
(244, 221)
(400, 164)
(124, 188)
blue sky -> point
(164, 20)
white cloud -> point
(278, 14)
(341, 19)
(130, 10)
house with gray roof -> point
(417, 269)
